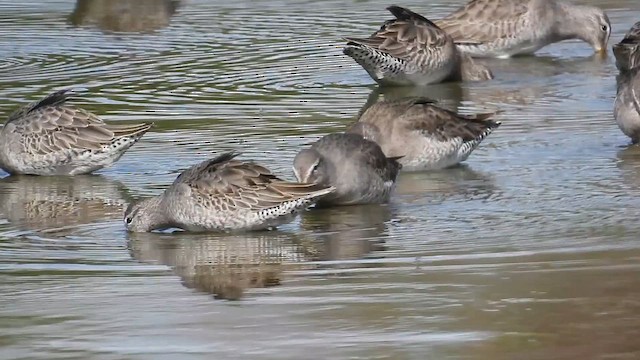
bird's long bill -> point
(601, 51)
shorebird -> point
(626, 109)
(223, 195)
(504, 28)
(412, 50)
(51, 137)
(357, 168)
(423, 135)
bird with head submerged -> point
(224, 195)
(357, 169)
(505, 28)
(422, 134)
(626, 107)
(52, 137)
(412, 50)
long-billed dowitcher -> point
(51, 137)
(504, 28)
(626, 107)
(223, 194)
(356, 167)
(411, 50)
(423, 135)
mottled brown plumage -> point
(412, 50)
(233, 183)
(425, 135)
(407, 37)
(481, 21)
(52, 137)
(504, 28)
(223, 194)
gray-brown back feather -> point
(365, 152)
(407, 36)
(240, 184)
(422, 114)
(482, 21)
(50, 125)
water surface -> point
(528, 251)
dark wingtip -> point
(487, 116)
(55, 98)
(627, 41)
(405, 14)
(395, 162)
(630, 40)
(468, 43)
(493, 124)
(351, 41)
(423, 100)
(225, 157)
(399, 12)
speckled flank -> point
(50, 137)
(412, 50)
(388, 70)
(223, 194)
(426, 136)
(198, 216)
(432, 154)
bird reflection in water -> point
(349, 232)
(459, 181)
(448, 95)
(53, 204)
(228, 265)
(629, 164)
(224, 265)
(124, 15)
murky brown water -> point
(529, 251)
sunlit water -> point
(529, 251)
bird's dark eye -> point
(128, 220)
(604, 27)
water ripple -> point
(534, 239)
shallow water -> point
(528, 251)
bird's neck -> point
(569, 21)
(156, 213)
